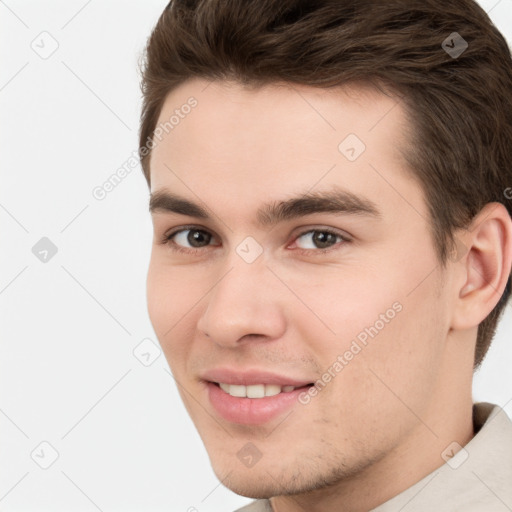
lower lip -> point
(251, 411)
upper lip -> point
(250, 377)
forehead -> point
(254, 144)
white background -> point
(69, 326)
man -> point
(330, 194)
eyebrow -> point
(337, 200)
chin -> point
(251, 485)
(262, 480)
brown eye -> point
(320, 239)
(196, 238)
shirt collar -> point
(478, 477)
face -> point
(308, 260)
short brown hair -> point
(459, 106)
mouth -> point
(257, 390)
(254, 404)
(251, 396)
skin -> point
(382, 422)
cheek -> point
(385, 339)
(341, 304)
(397, 370)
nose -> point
(244, 305)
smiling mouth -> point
(257, 390)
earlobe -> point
(485, 267)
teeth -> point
(224, 387)
(255, 390)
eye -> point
(188, 239)
(194, 237)
(320, 239)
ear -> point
(485, 260)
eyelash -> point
(167, 240)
